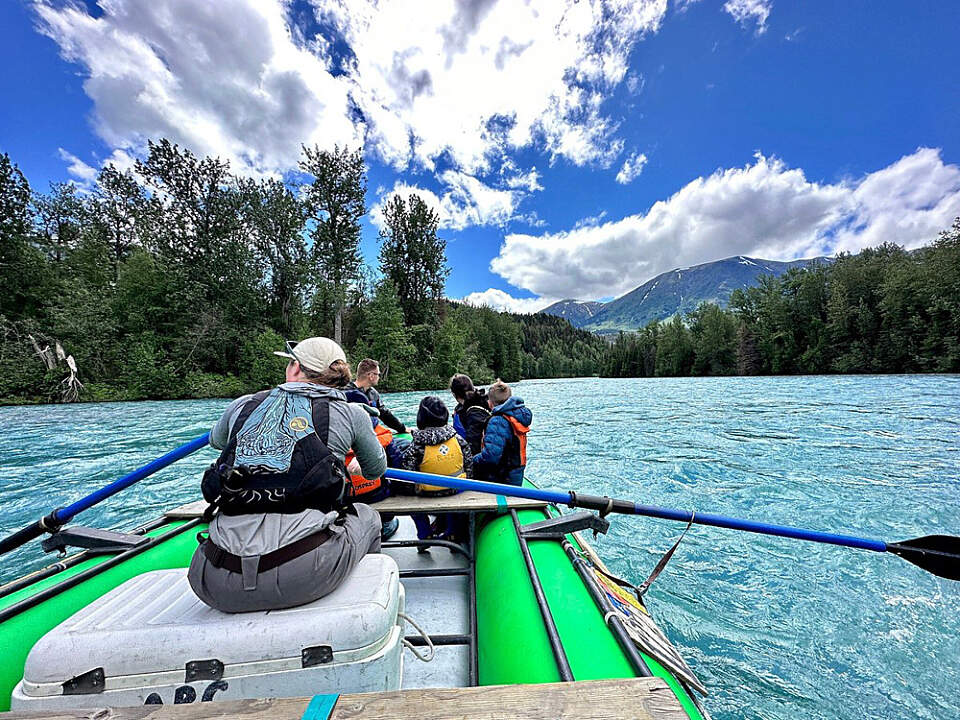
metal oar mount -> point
(937, 554)
(61, 516)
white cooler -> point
(152, 641)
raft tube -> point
(512, 642)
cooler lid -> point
(155, 623)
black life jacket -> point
(474, 420)
(285, 465)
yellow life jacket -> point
(443, 459)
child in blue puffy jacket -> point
(503, 456)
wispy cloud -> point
(632, 167)
(792, 36)
(747, 12)
(77, 168)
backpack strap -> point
(229, 452)
(320, 408)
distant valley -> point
(677, 291)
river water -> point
(775, 628)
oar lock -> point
(557, 528)
(93, 540)
(50, 523)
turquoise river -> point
(775, 628)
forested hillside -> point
(179, 278)
(881, 311)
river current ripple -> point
(775, 628)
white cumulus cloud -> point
(500, 300)
(746, 12)
(632, 167)
(764, 209)
(467, 200)
(228, 83)
(472, 79)
(454, 89)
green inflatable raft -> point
(536, 608)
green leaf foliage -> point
(180, 279)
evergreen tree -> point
(386, 338)
(119, 212)
(59, 219)
(714, 340)
(22, 272)
(275, 221)
(748, 359)
(675, 353)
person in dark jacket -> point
(368, 375)
(504, 453)
(472, 411)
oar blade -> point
(937, 554)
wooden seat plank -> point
(633, 698)
(404, 505)
(468, 501)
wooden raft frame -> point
(465, 502)
(633, 698)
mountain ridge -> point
(676, 291)
(574, 311)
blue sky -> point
(572, 149)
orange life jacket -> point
(361, 485)
(520, 431)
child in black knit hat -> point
(436, 449)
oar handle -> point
(21, 537)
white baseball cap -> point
(315, 354)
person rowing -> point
(286, 533)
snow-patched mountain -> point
(575, 312)
(683, 289)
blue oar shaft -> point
(621, 506)
(550, 496)
(758, 527)
(60, 516)
(65, 514)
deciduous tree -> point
(413, 257)
(335, 202)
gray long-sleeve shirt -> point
(260, 533)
